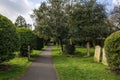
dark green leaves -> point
(9, 40)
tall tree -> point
(58, 21)
(20, 22)
(89, 19)
(50, 20)
(42, 19)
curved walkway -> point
(42, 68)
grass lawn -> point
(17, 67)
(80, 68)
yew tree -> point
(9, 40)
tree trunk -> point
(88, 48)
(61, 44)
(28, 52)
(94, 43)
(71, 41)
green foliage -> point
(89, 21)
(27, 37)
(39, 43)
(8, 39)
(112, 47)
(76, 19)
(24, 50)
(20, 22)
(69, 49)
(53, 26)
(42, 28)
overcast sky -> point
(14, 8)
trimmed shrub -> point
(69, 49)
(39, 43)
(112, 47)
(27, 38)
(8, 39)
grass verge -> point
(80, 68)
(17, 67)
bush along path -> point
(42, 68)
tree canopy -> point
(20, 22)
(66, 20)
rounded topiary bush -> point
(27, 38)
(69, 49)
(8, 39)
(112, 48)
(39, 43)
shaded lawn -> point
(80, 68)
(18, 66)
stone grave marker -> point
(97, 53)
(104, 59)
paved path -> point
(42, 68)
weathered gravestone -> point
(97, 53)
(104, 59)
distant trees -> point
(21, 22)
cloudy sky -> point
(14, 8)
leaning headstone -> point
(104, 59)
(97, 53)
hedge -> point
(9, 40)
(27, 37)
(112, 48)
(39, 43)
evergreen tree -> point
(20, 22)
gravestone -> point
(104, 59)
(97, 53)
